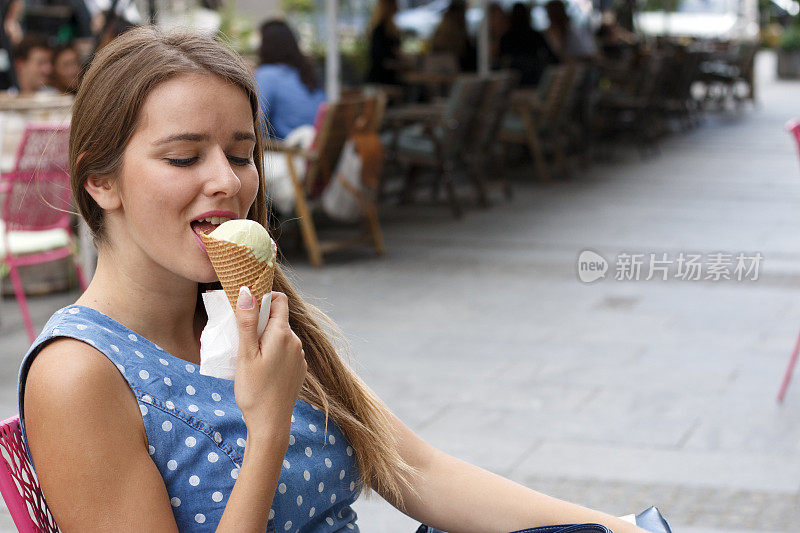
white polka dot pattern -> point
(196, 435)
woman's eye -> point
(182, 162)
(240, 161)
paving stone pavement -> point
(616, 394)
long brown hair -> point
(105, 115)
(279, 45)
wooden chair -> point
(337, 125)
(435, 136)
(721, 75)
(483, 143)
(635, 113)
(538, 119)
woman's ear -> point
(104, 191)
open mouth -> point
(208, 224)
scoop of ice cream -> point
(248, 233)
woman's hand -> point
(270, 370)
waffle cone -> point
(236, 266)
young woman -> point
(290, 91)
(124, 432)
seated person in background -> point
(614, 40)
(66, 69)
(384, 44)
(524, 49)
(33, 65)
(451, 36)
(569, 41)
(289, 89)
(498, 26)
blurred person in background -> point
(114, 25)
(66, 69)
(451, 36)
(33, 64)
(524, 49)
(498, 26)
(289, 89)
(613, 39)
(10, 36)
(384, 44)
(567, 40)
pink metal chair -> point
(37, 197)
(18, 483)
(793, 127)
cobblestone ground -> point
(616, 395)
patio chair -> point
(793, 127)
(435, 136)
(18, 484)
(538, 119)
(335, 127)
(635, 113)
(678, 101)
(721, 75)
(36, 208)
(482, 143)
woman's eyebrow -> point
(198, 137)
(244, 136)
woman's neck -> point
(149, 301)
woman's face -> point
(190, 158)
(66, 69)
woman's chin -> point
(206, 276)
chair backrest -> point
(38, 193)
(44, 147)
(461, 110)
(493, 107)
(554, 91)
(793, 127)
(18, 483)
(336, 126)
(36, 201)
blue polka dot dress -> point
(196, 434)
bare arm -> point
(88, 444)
(456, 496)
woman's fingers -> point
(278, 309)
(247, 319)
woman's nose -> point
(221, 178)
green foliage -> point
(298, 6)
(236, 30)
(667, 6)
(790, 40)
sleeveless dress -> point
(196, 434)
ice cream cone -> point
(236, 266)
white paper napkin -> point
(219, 341)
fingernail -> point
(245, 300)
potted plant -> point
(789, 53)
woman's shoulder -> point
(68, 369)
(76, 361)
